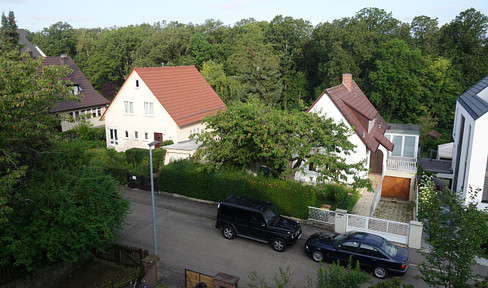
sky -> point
(34, 15)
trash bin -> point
(201, 285)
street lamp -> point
(152, 195)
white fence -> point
(321, 215)
(402, 164)
(391, 230)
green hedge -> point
(118, 173)
(198, 181)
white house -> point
(470, 151)
(159, 103)
(346, 103)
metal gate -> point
(391, 230)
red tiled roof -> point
(91, 98)
(358, 111)
(182, 91)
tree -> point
(201, 50)
(395, 81)
(456, 232)
(9, 38)
(464, 41)
(28, 92)
(227, 87)
(66, 208)
(425, 33)
(56, 40)
(253, 132)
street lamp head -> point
(153, 143)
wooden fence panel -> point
(192, 278)
(396, 187)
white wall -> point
(94, 121)
(474, 154)
(326, 107)
(160, 122)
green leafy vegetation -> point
(292, 198)
(457, 231)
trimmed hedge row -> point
(290, 197)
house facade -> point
(92, 105)
(470, 150)
(346, 103)
(159, 103)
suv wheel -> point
(380, 272)
(228, 232)
(278, 244)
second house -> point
(160, 103)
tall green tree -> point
(456, 231)
(464, 41)
(284, 141)
(395, 81)
(425, 33)
(227, 87)
(28, 92)
(9, 38)
(201, 50)
(56, 40)
(288, 37)
(255, 65)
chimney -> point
(347, 80)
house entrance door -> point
(376, 162)
(158, 137)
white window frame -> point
(149, 108)
(128, 107)
(136, 135)
(126, 134)
(146, 136)
(113, 137)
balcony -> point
(401, 164)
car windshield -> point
(339, 238)
(389, 248)
(270, 213)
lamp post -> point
(152, 196)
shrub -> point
(199, 181)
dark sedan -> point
(373, 252)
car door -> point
(369, 257)
(346, 251)
(250, 224)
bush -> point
(198, 181)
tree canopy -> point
(284, 141)
(287, 62)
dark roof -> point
(91, 98)
(358, 111)
(182, 91)
(470, 100)
(27, 45)
(437, 166)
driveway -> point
(188, 239)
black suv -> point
(257, 220)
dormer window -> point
(77, 89)
(137, 83)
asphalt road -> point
(187, 239)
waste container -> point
(201, 285)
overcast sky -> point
(35, 15)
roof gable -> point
(361, 115)
(472, 100)
(91, 98)
(182, 91)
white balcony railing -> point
(402, 164)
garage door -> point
(395, 187)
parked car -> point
(257, 220)
(373, 252)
